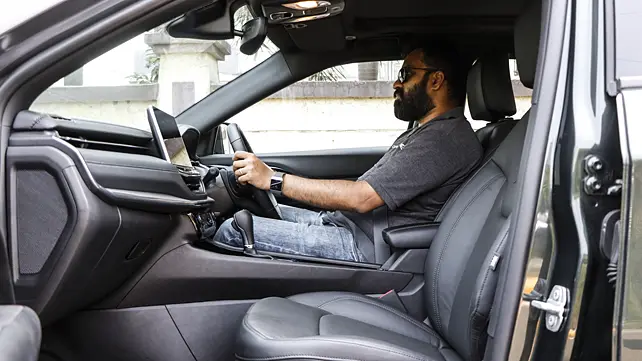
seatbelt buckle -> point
(392, 299)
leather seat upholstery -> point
(490, 98)
(332, 325)
(460, 279)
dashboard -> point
(89, 202)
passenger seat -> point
(491, 99)
(460, 274)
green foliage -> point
(330, 74)
(152, 62)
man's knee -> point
(228, 235)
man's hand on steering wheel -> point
(249, 169)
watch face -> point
(276, 183)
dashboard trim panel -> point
(135, 199)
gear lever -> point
(244, 223)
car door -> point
(625, 74)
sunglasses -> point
(406, 71)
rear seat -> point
(490, 98)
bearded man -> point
(410, 183)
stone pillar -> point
(187, 70)
(75, 78)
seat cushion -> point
(336, 326)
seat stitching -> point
(392, 310)
(332, 300)
(246, 323)
(345, 343)
(299, 356)
(251, 328)
(443, 249)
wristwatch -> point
(276, 182)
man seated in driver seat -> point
(412, 180)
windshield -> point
(151, 68)
(16, 15)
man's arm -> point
(342, 195)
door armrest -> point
(411, 236)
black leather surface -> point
(493, 134)
(489, 89)
(20, 334)
(527, 34)
(336, 326)
(411, 236)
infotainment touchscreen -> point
(168, 138)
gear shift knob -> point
(244, 223)
(211, 175)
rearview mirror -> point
(211, 22)
(254, 33)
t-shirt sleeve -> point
(422, 165)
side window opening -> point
(348, 106)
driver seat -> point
(460, 275)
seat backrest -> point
(490, 98)
(460, 269)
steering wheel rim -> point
(265, 199)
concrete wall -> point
(304, 116)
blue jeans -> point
(300, 232)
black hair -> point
(452, 64)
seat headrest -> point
(489, 89)
(526, 37)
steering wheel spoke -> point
(265, 199)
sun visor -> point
(318, 35)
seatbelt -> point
(499, 289)
(380, 222)
(493, 317)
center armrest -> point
(411, 236)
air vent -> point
(83, 143)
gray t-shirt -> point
(416, 175)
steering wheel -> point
(265, 199)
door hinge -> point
(555, 307)
(599, 179)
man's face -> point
(412, 100)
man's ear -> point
(437, 80)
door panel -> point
(326, 164)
